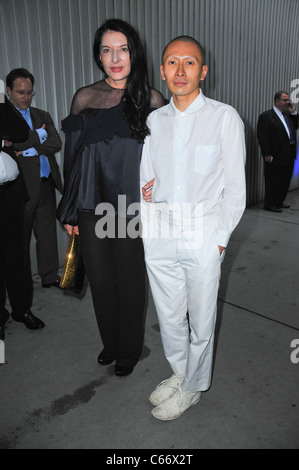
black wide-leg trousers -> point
(13, 252)
(115, 270)
(277, 180)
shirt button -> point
(179, 187)
(179, 162)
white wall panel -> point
(251, 47)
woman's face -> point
(115, 57)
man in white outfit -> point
(194, 195)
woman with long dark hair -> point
(104, 138)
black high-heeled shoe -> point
(121, 371)
(104, 360)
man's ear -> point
(162, 72)
(204, 72)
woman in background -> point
(104, 138)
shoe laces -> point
(181, 397)
(172, 382)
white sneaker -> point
(165, 389)
(176, 405)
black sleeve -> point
(157, 99)
(263, 135)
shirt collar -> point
(278, 112)
(196, 105)
(22, 111)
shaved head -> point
(187, 39)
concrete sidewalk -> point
(54, 395)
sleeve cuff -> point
(42, 133)
(222, 237)
(31, 152)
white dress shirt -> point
(280, 115)
(8, 168)
(198, 156)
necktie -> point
(292, 138)
(44, 164)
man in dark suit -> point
(13, 196)
(276, 133)
(36, 157)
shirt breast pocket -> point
(206, 158)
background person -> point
(36, 157)
(276, 133)
(13, 196)
(104, 139)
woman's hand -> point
(147, 191)
(70, 229)
(221, 249)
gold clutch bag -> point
(73, 269)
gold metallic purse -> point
(73, 269)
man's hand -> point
(44, 127)
(269, 159)
(292, 108)
(147, 191)
(7, 143)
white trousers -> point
(184, 274)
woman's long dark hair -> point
(136, 97)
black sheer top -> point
(101, 159)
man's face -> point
(182, 69)
(21, 93)
(283, 103)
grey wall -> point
(251, 46)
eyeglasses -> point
(23, 93)
(286, 100)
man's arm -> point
(51, 145)
(264, 136)
(147, 177)
(234, 193)
(147, 174)
(53, 142)
(295, 119)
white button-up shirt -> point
(280, 115)
(198, 156)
